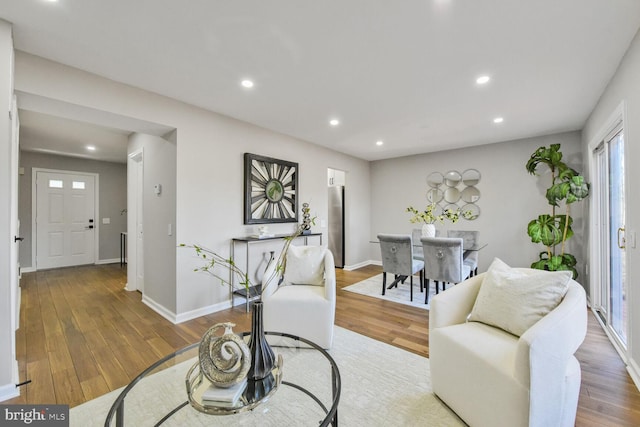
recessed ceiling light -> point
(91, 148)
(247, 84)
(498, 120)
(334, 122)
(379, 143)
(482, 80)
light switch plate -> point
(106, 220)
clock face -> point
(270, 190)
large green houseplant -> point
(567, 187)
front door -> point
(65, 219)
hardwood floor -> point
(81, 335)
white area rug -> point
(373, 287)
(381, 386)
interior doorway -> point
(135, 222)
(336, 215)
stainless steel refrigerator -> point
(336, 224)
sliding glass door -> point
(610, 242)
(618, 282)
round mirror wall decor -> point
(470, 211)
(452, 195)
(435, 195)
(471, 177)
(470, 194)
(452, 178)
(435, 179)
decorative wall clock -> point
(270, 190)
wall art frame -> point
(270, 190)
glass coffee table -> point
(305, 390)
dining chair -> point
(416, 234)
(443, 262)
(397, 258)
(470, 239)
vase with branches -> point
(236, 278)
(553, 230)
(262, 357)
(428, 217)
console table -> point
(250, 241)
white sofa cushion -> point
(515, 299)
(305, 265)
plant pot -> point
(262, 356)
(428, 230)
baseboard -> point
(634, 372)
(160, 309)
(183, 317)
(193, 314)
(8, 391)
(99, 262)
(361, 264)
(108, 261)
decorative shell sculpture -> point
(224, 360)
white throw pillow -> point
(305, 265)
(513, 299)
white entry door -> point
(65, 219)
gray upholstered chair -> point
(397, 258)
(443, 262)
(470, 239)
(416, 234)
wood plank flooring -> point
(81, 335)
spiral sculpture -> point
(224, 360)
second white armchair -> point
(304, 304)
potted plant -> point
(553, 230)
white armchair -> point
(490, 377)
(299, 308)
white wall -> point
(209, 168)
(509, 196)
(7, 335)
(625, 86)
(159, 213)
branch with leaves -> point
(428, 215)
(213, 262)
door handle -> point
(18, 239)
(624, 241)
(89, 227)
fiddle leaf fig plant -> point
(567, 187)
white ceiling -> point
(44, 133)
(398, 71)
